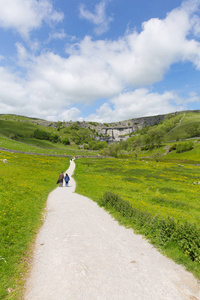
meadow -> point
(180, 132)
(155, 194)
(155, 190)
(25, 182)
(43, 147)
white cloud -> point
(59, 35)
(12, 92)
(22, 52)
(98, 18)
(75, 79)
(103, 69)
(69, 114)
(25, 16)
(193, 98)
(138, 103)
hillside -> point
(100, 128)
(146, 133)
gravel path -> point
(82, 253)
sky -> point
(99, 60)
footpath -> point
(82, 253)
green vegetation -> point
(154, 174)
(44, 135)
(163, 231)
(162, 196)
(190, 121)
(31, 131)
(164, 187)
(44, 147)
(23, 194)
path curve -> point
(82, 253)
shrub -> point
(54, 138)
(172, 147)
(193, 130)
(41, 134)
(74, 126)
(65, 141)
(13, 136)
(186, 236)
(184, 147)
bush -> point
(65, 141)
(193, 130)
(41, 134)
(172, 147)
(186, 236)
(184, 147)
(74, 126)
(13, 137)
(54, 138)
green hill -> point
(82, 138)
(188, 127)
(40, 136)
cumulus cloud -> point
(98, 18)
(104, 69)
(59, 35)
(77, 79)
(25, 16)
(138, 103)
(69, 114)
(12, 92)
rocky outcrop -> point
(121, 131)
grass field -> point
(180, 132)
(192, 156)
(161, 189)
(157, 184)
(25, 182)
(156, 187)
(44, 147)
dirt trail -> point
(82, 253)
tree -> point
(54, 138)
(183, 147)
(59, 125)
(65, 141)
(193, 130)
(154, 137)
(74, 126)
(41, 134)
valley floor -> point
(81, 252)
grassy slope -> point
(180, 131)
(24, 127)
(43, 147)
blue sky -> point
(103, 61)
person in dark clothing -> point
(60, 179)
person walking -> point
(67, 179)
(60, 179)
